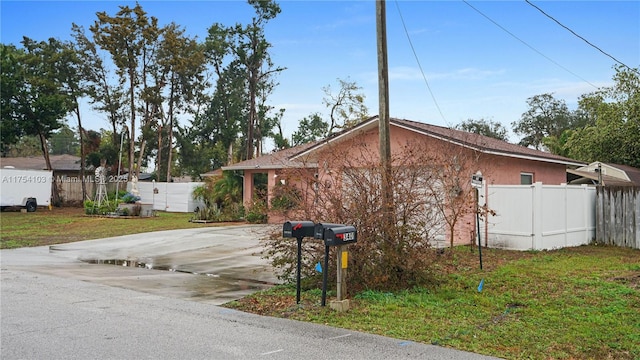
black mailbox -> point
(342, 235)
(298, 229)
(318, 232)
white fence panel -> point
(172, 197)
(512, 227)
(540, 217)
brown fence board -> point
(618, 216)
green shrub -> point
(257, 212)
(89, 208)
(285, 197)
(107, 206)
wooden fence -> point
(71, 191)
(618, 216)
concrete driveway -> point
(213, 265)
(132, 297)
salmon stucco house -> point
(413, 144)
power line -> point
(415, 55)
(580, 37)
(527, 45)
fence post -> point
(537, 215)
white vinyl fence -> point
(171, 197)
(540, 217)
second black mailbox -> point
(343, 235)
(298, 229)
(321, 227)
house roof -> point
(590, 177)
(293, 157)
(632, 173)
(277, 160)
(63, 162)
(625, 176)
(213, 173)
(466, 139)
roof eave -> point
(367, 124)
(491, 152)
(335, 138)
(269, 167)
(534, 158)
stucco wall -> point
(496, 169)
(363, 147)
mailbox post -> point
(333, 235)
(340, 237)
(319, 233)
(298, 230)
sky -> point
(448, 61)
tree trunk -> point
(82, 157)
(55, 195)
(230, 154)
(132, 130)
(169, 156)
(251, 120)
(139, 163)
(159, 159)
(170, 132)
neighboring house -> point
(62, 165)
(499, 162)
(66, 172)
(213, 173)
(606, 174)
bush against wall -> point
(431, 194)
(222, 198)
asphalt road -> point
(54, 306)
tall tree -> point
(181, 63)
(37, 102)
(64, 141)
(310, 128)
(485, 127)
(278, 138)
(240, 59)
(26, 146)
(346, 107)
(11, 86)
(613, 132)
(227, 105)
(104, 95)
(73, 71)
(252, 51)
(129, 37)
(546, 116)
(210, 140)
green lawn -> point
(576, 303)
(62, 225)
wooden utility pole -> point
(383, 116)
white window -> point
(526, 178)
